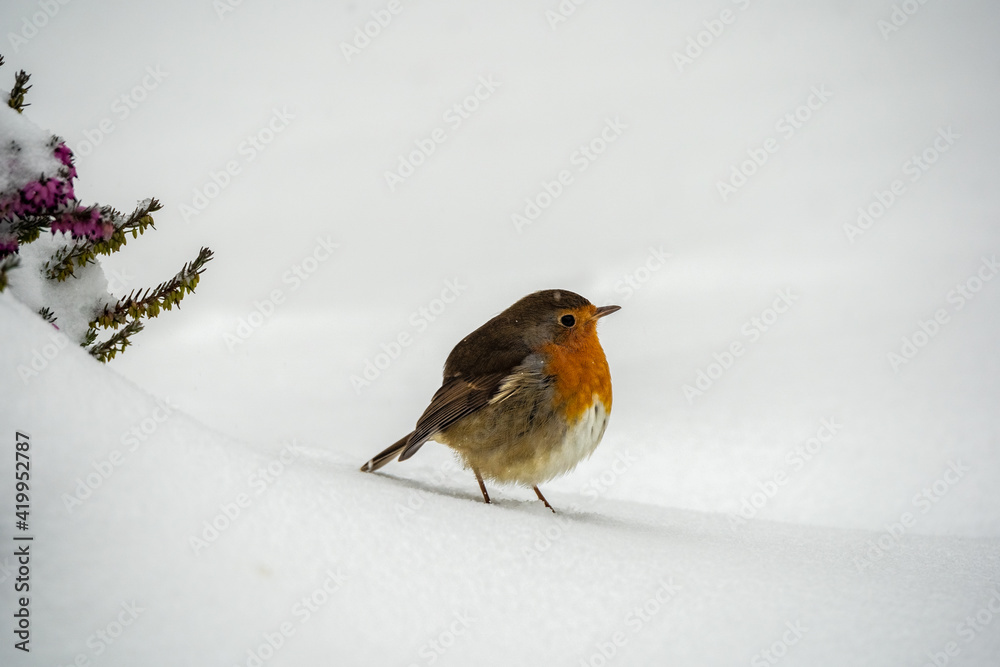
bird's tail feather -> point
(386, 455)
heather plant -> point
(53, 240)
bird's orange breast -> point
(581, 373)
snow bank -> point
(25, 151)
(160, 542)
(74, 302)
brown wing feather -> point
(459, 397)
(456, 398)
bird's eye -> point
(567, 321)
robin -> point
(525, 397)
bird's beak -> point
(605, 310)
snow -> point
(24, 153)
(401, 567)
(75, 302)
(815, 486)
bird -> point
(524, 398)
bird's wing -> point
(460, 396)
(456, 398)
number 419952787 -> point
(22, 477)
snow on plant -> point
(36, 196)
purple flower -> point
(83, 222)
(65, 155)
(8, 246)
(53, 196)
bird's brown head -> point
(554, 316)
(541, 320)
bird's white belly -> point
(579, 443)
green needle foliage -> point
(85, 250)
(16, 99)
(148, 303)
(139, 304)
(107, 350)
(92, 231)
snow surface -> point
(415, 569)
(264, 353)
(75, 302)
(24, 152)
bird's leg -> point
(482, 486)
(542, 498)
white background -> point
(655, 187)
